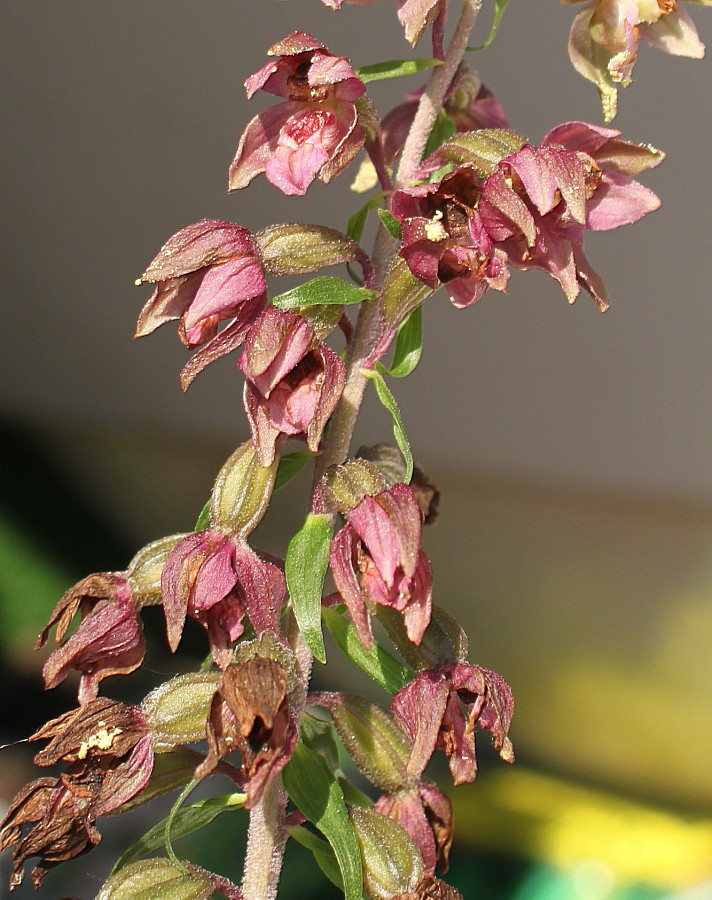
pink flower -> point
(217, 579)
(108, 641)
(445, 240)
(440, 708)
(315, 132)
(376, 560)
(564, 190)
(205, 274)
(603, 43)
(293, 381)
(468, 103)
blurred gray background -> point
(573, 448)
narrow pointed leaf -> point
(499, 7)
(290, 466)
(395, 68)
(392, 225)
(185, 821)
(304, 568)
(316, 792)
(377, 663)
(389, 401)
(322, 291)
(409, 345)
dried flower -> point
(252, 711)
(315, 132)
(430, 711)
(110, 752)
(108, 641)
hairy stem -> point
(367, 327)
(266, 838)
(432, 100)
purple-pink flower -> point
(531, 212)
(376, 559)
(444, 238)
(293, 381)
(440, 708)
(603, 43)
(109, 638)
(217, 579)
(205, 274)
(314, 132)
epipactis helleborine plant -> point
(463, 199)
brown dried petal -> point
(102, 586)
(101, 727)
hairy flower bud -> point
(161, 879)
(177, 711)
(242, 492)
(392, 864)
(298, 249)
(372, 737)
(144, 571)
(345, 486)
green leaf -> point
(290, 466)
(357, 222)
(499, 7)
(322, 291)
(185, 821)
(392, 225)
(304, 568)
(395, 68)
(323, 854)
(204, 518)
(409, 345)
(377, 663)
(443, 129)
(389, 401)
(315, 791)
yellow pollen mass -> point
(434, 230)
(101, 740)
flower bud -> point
(373, 739)
(144, 570)
(299, 249)
(160, 879)
(242, 491)
(177, 711)
(345, 486)
(391, 862)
